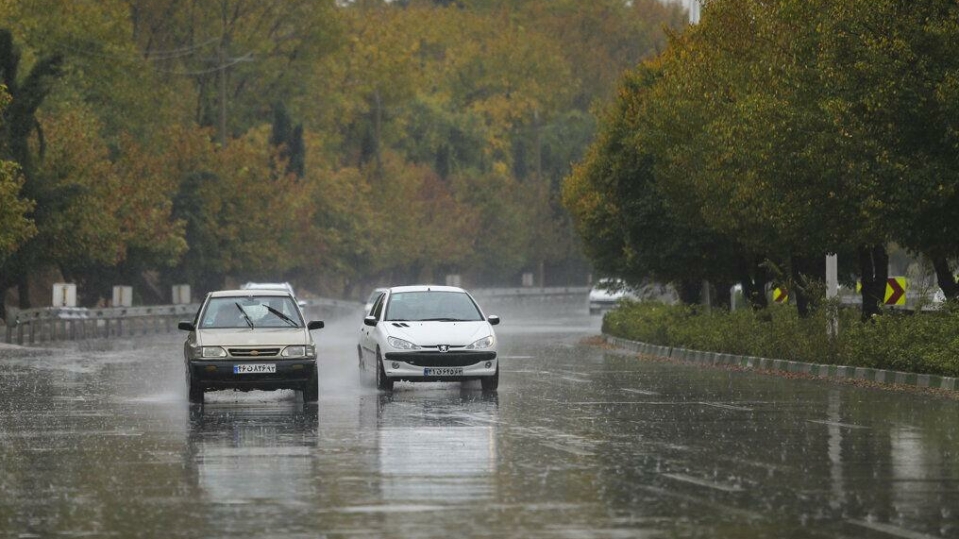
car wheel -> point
(491, 383)
(195, 390)
(382, 382)
(311, 392)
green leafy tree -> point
(15, 226)
(891, 71)
(629, 228)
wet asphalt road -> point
(579, 442)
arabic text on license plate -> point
(443, 371)
(254, 368)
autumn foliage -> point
(339, 145)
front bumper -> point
(411, 366)
(218, 374)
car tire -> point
(195, 391)
(383, 383)
(311, 392)
(491, 383)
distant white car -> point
(607, 293)
(250, 339)
(273, 286)
(428, 334)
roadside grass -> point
(926, 343)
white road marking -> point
(888, 529)
(702, 482)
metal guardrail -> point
(530, 291)
(36, 326)
(33, 326)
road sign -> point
(895, 291)
(780, 295)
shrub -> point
(926, 343)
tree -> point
(241, 218)
(19, 124)
(892, 70)
(15, 225)
(629, 228)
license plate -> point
(254, 368)
(443, 371)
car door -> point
(368, 333)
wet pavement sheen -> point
(579, 442)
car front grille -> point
(441, 359)
(254, 353)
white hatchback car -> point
(428, 334)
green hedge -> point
(926, 343)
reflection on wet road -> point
(579, 442)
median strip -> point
(834, 372)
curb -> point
(835, 372)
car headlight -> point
(297, 351)
(481, 344)
(401, 344)
(207, 352)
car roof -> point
(276, 286)
(425, 288)
(250, 292)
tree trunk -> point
(23, 292)
(945, 278)
(690, 292)
(722, 298)
(806, 271)
(754, 278)
(874, 272)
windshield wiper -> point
(280, 315)
(444, 320)
(245, 316)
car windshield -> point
(251, 311)
(432, 306)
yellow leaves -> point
(15, 226)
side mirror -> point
(493, 320)
(315, 324)
(185, 326)
(370, 320)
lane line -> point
(641, 392)
(727, 406)
(889, 529)
(836, 424)
(703, 483)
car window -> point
(377, 306)
(241, 311)
(430, 305)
